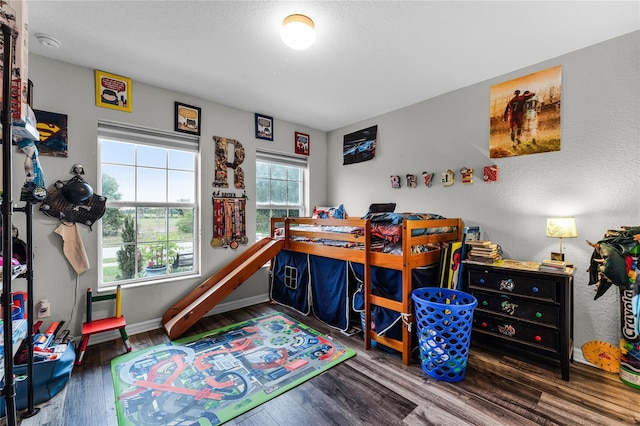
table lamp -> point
(561, 227)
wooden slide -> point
(217, 287)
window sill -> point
(125, 285)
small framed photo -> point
(187, 119)
(302, 143)
(113, 91)
(264, 127)
(557, 256)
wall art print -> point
(302, 142)
(264, 127)
(53, 133)
(525, 114)
(359, 146)
(229, 155)
(187, 119)
(113, 91)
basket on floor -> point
(444, 318)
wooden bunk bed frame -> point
(363, 254)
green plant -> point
(126, 255)
(113, 217)
(157, 254)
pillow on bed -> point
(397, 218)
(329, 212)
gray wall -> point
(589, 178)
(594, 177)
(67, 89)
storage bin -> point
(444, 320)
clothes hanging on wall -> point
(73, 247)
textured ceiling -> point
(370, 57)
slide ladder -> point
(217, 287)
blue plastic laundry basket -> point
(444, 318)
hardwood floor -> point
(375, 388)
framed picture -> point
(53, 133)
(264, 127)
(525, 114)
(187, 119)
(360, 146)
(302, 143)
(113, 91)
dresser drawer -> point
(525, 285)
(513, 329)
(518, 308)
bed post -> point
(367, 285)
(407, 311)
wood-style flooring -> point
(375, 388)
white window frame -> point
(285, 160)
(137, 135)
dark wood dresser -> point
(531, 311)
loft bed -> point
(372, 245)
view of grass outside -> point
(278, 194)
(148, 229)
(155, 249)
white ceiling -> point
(369, 58)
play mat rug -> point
(215, 376)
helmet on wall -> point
(77, 191)
(74, 201)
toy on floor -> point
(603, 355)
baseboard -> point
(578, 356)
(154, 324)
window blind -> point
(147, 136)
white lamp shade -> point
(561, 227)
(298, 32)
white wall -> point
(67, 89)
(594, 177)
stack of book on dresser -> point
(483, 251)
(553, 265)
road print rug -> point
(215, 376)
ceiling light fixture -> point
(298, 31)
(47, 41)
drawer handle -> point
(509, 307)
(538, 314)
(535, 289)
(484, 325)
(538, 338)
(485, 303)
(481, 281)
(507, 285)
(507, 330)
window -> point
(279, 188)
(291, 277)
(149, 229)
